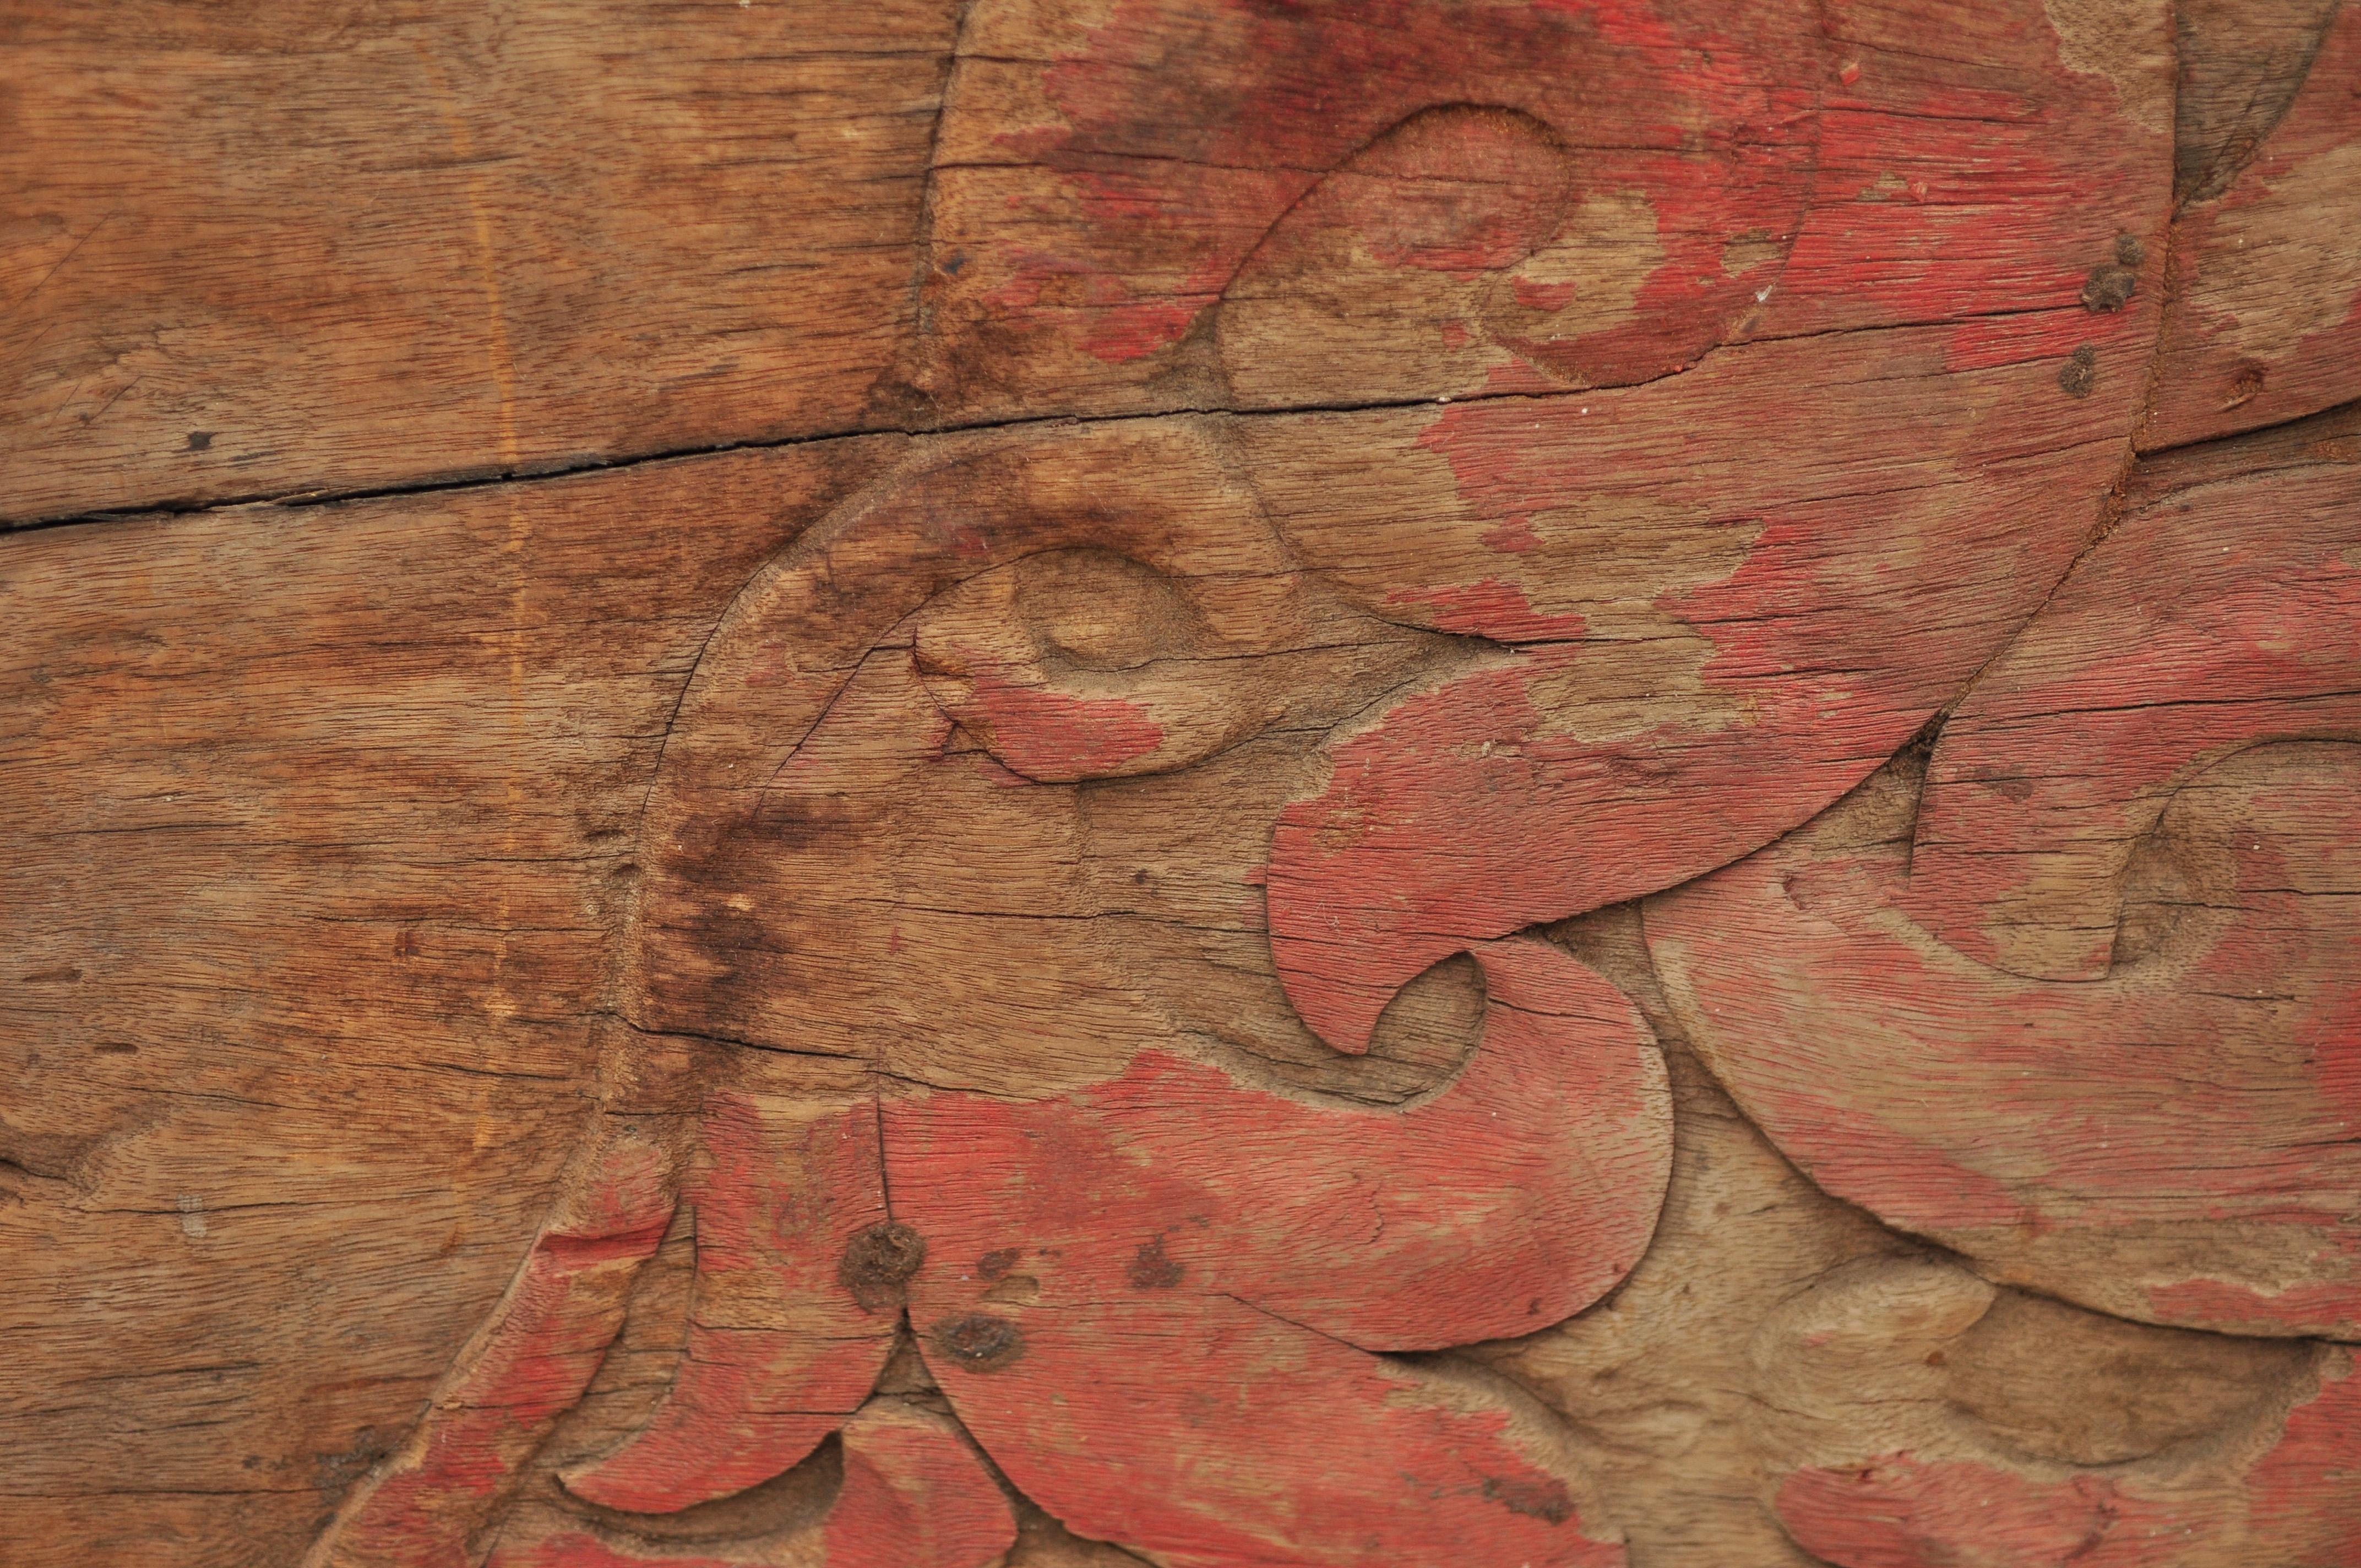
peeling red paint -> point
(1856, 1004)
(1903, 1513)
(1047, 734)
(2298, 1503)
(915, 1492)
(2306, 1493)
(1185, 133)
(1125, 333)
(778, 1353)
(1489, 608)
(551, 1332)
(2202, 631)
(2231, 360)
(1285, 1236)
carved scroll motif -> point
(1088, 973)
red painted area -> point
(551, 1332)
(1181, 1261)
(915, 1495)
(1218, 1436)
(1489, 608)
(1134, 331)
(1512, 536)
(1304, 1232)
(1901, 1512)
(1198, 1259)
(1175, 1347)
(778, 1353)
(1511, 1200)
(2305, 1496)
(2204, 626)
(1999, 1107)
(2249, 254)
(1463, 817)
(1185, 132)
(2298, 1503)
(1551, 297)
(2211, 1089)
(1046, 734)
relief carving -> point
(1488, 625)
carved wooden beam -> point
(1044, 784)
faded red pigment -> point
(1147, 1295)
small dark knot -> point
(878, 1264)
(1153, 1269)
(981, 1341)
(2079, 374)
(2109, 289)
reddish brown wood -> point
(2266, 324)
(1124, 188)
(1173, 1220)
(914, 1490)
(1071, 993)
(794, 1311)
(1916, 1475)
(281, 248)
(2152, 1105)
(529, 1364)
(1160, 1214)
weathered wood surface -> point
(1158, 987)
(2075, 991)
(2266, 322)
(255, 250)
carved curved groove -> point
(779, 1352)
(1020, 869)
(2248, 1456)
(2181, 1140)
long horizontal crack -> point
(482, 480)
(318, 496)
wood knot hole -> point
(878, 1264)
(981, 1341)
(2079, 374)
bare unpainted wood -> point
(320, 826)
(263, 249)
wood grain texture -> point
(2266, 322)
(2241, 64)
(1895, 1416)
(1076, 991)
(319, 823)
(2074, 991)
(256, 250)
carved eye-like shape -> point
(1085, 664)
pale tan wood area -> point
(1449, 781)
